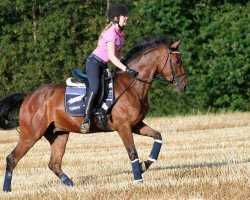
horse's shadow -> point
(204, 165)
(91, 178)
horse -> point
(41, 113)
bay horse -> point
(42, 112)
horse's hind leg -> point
(58, 141)
(145, 130)
(12, 159)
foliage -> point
(42, 41)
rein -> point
(114, 102)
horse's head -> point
(172, 68)
(158, 55)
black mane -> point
(146, 44)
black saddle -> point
(106, 76)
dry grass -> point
(203, 157)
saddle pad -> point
(75, 98)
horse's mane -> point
(146, 44)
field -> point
(202, 157)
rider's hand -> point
(131, 72)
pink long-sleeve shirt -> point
(113, 34)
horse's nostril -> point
(185, 87)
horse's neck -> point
(146, 65)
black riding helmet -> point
(116, 10)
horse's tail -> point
(9, 110)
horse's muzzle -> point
(185, 88)
(181, 87)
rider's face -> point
(123, 20)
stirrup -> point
(84, 127)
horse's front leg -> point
(126, 135)
(143, 129)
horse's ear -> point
(175, 45)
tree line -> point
(42, 41)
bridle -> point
(174, 78)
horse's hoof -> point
(143, 167)
(6, 189)
(66, 180)
(138, 181)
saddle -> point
(76, 94)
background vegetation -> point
(42, 41)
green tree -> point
(42, 41)
(224, 57)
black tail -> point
(9, 110)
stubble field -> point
(202, 157)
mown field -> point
(202, 157)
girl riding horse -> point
(108, 50)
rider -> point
(108, 50)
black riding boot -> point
(84, 127)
